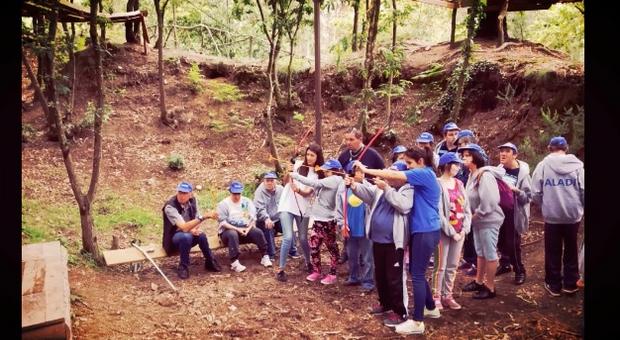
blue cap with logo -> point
(509, 146)
(464, 133)
(331, 164)
(426, 137)
(399, 166)
(449, 157)
(270, 175)
(184, 187)
(474, 147)
(558, 141)
(399, 149)
(235, 187)
(450, 126)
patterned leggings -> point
(323, 232)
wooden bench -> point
(46, 305)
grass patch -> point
(41, 221)
(223, 92)
(218, 126)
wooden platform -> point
(495, 5)
(46, 305)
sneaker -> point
(350, 282)
(237, 266)
(473, 286)
(212, 265)
(294, 255)
(329, 279)
(281, 276)
(581, 283)
(183, 272)
(484, 293)
(503, 270)
(570, 290)
(519, 278)
(433, 314)
(472, 271)
(265, 261)
(410, 327)
(450, 303)
(552, 291)
(314, 276)
(437, 302)
(393, 320)
(379, 310)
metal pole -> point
(154, 264)
(317, 72)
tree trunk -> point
(272, 145)
(373, 24)
(276, 83)
(362, 39)
(70, 40)
(501, 23)
(488, 27)
(160, 62)
(453, 26)
(393, 25)
(318, 119)
(356, 11)
(289, 73)
(38, 24)
(131, 36)
(391, 80)
(174, 24)
(50, 73)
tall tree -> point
(132, 28)
(293, 20)
(369, 61)
(501, 23)
(268, 122)
(356, 14)
(160, 10)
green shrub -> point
(223, 92)
(175, 162)
(195, 79)
(298, 116)
(28, 133)
(88, 122)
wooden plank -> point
(33, 310)
(127, 255)
(33, 277)
(56, 301)
(57, 330)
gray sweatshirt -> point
(522, 198)
(483, 195)
(324, 206)
(266, 202)
(444, 210)
(402, 201)
(558, 186)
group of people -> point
(442, 204)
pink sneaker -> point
(314, 276)
(329, 279)
(450, 303)
(438, 304)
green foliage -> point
(195, 79)
(43, 221)
(223, 92)
(28, 133)
(176, 162)
(298, 116)
(88, 122)
(112, 211)
(340, 50)
(412, 115)
(218, 126)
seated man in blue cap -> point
(426, 139)
(266, 198)
(182, 231)
(448, 143)
(237, 219)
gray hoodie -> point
(558, 186)
(444, 210)
(402, 201)
(266, 202)
(324, 206)
(483, 195)
(522, 198)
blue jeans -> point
(357, 246)
(270, 238)
(421, 248)
(288, 237)
(185, 241)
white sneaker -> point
(410, 327)
(237, 266)
(433, 314)
(265, 261)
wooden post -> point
(317, 72)
(453, 26)
(145, 34)
(501, 20)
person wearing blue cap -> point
(448, 143)
(516, 221)
(466, 137)
(558, 187)
(398, 153)
(358, 245)
(237, 221)
(455, 216)
(386, 225)
(182, 231)
(424, 227)
(266, 198)
(424, 140)
(487, 216)
(323, 213)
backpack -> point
(506, 196)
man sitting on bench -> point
(182, 231)
(237, 217)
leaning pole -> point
(317, 72)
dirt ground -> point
(114, 303)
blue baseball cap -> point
(270, 175)
(426, 137)
(331, 164)
(474, 147)
(349, 167)
(399, 149)
(464, 133)
(399, 166)
(236, 187)
(558, 141)
(184, 187)
(510, 146)
(450, 126)
(449, 157)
